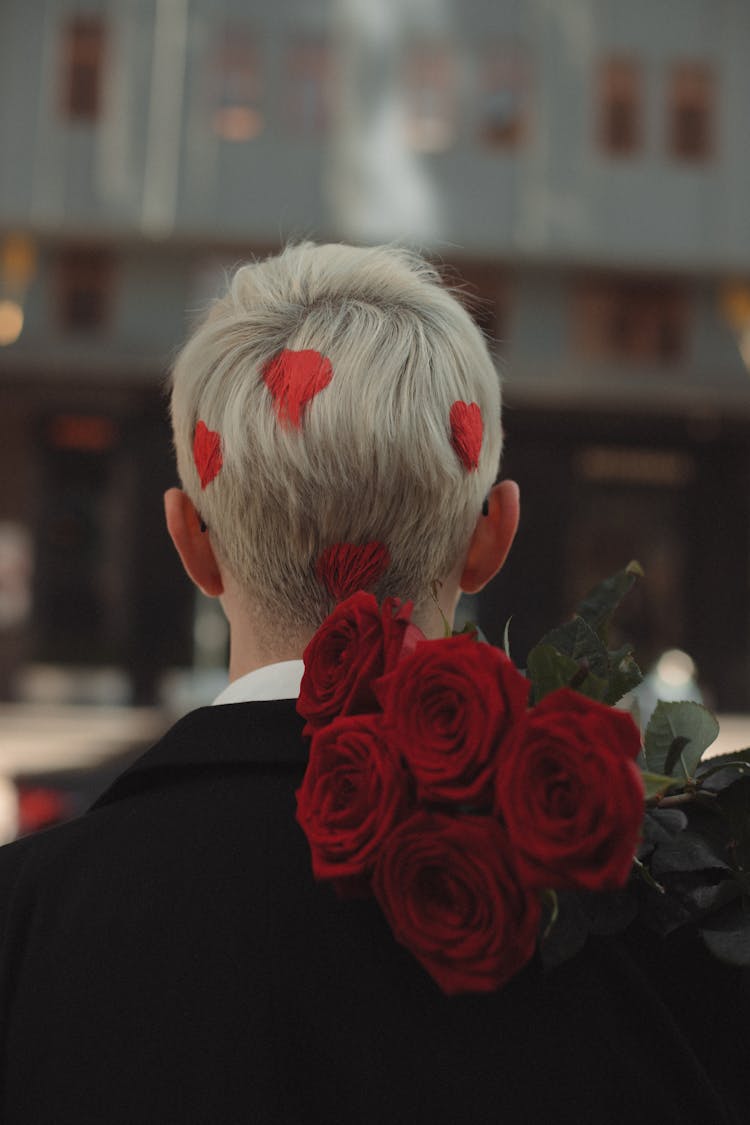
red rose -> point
(353, 793)
(448, 706)
(449, 889)
(571, 795)
(355, 645)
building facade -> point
(580, 167)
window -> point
(620, 107)
(308, 87)
(238, 85)
(83, 62)
(503, 95)
(430, 95)
(691, 111)
(85, 279)
(632, 321)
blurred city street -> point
(44, 740)
(56, 760)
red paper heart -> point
(466, 433)
(345, 568)
(294, 378)
(207, 453)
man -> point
(168, 957)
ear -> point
(492, 538)
(193, 545)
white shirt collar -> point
(274, 681)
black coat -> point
(168, 958)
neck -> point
(255, 642)
(247, 655)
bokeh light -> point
(11, 322)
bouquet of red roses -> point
(475, 802)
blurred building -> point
(582, 166)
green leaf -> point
(707, 899)
(578, 640)
(656, 784)
(677, 736)
(674, 753)
(549, 669)
(659, 826)
(583, 639)
(690, 851)
(625, 675)
(620, 655)
(738, 762)
(600, 604)
(601, 675)
(734, 802)
(728, 933)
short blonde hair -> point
(373, 459)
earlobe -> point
(192, 545)
(492, 538)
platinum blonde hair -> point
(372, 460)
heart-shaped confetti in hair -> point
(294, 378)
(346, 568)
(466, 433)
(207, 453)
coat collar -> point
(266, 733)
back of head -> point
(366, 454)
